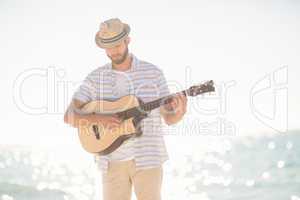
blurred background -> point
(242, 141)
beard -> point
(119, 58)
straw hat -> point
(111, 33)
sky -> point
(249, 48)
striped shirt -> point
(121, 87)
(147, 82)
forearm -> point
(76, 119)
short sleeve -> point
(85, 91)
(162, 85)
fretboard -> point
(146, 107)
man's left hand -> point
(178, 104)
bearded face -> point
(118, 53)
(120, 57)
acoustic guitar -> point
(95, 138)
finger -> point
(184, 100)
(173, 104)
(183, 97)
(174, 100)
(180, 99)
(116, 119)
(115, 116)
(182, 103)
(113, 126)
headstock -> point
(205, 87)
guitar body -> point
(95, 138)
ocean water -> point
(264, 168)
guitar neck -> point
(146, 107)
(159, 102)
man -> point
(138, 161)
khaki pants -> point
(122, 175)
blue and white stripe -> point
(147, 82)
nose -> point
(113, 52)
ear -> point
(127, 40)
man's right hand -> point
(76, 119)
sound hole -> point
(96, 131)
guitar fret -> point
(135, 111)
